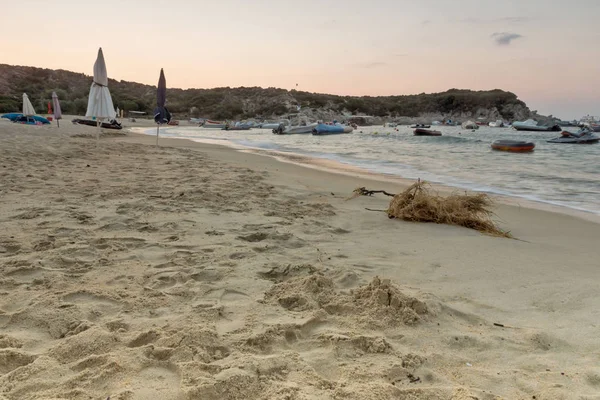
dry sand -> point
(193, 271)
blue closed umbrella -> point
(161, 114)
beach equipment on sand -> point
(161, 114)
(426, 132)
(105, 125)
(514, 146)
(28, 110)
(56, 106)
(100, 103)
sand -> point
(194, 271)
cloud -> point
(505, 38)
(374, 64)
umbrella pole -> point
(98, 131)
(157, 128)
(57, 123)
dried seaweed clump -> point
(419, 204)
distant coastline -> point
(257, 103)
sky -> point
(544, 51)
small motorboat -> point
(420, 126)
(236, 128)
(532, 125)
(289, 130)
(426, 132)
(584, 136)
(470, 125)
(106, 125)
(514, 146)
(324, 129)
(213, 124)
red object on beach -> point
(49, 118)
(426, 132)
(49, 109)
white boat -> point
(274, 125)
(214, 125)
(289, 130)
(497, 124)
(532, 125)
(469, 125)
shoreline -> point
(339, 168)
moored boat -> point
(324, 129)
(584, 136)
(290, 130)
(515, 146)
(497, 124)
(469, 125)
(532, 125)
(213, 124)
(420, 126)
(426, 132)
(595, 127)
(236, 128)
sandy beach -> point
(195, 271)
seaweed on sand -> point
(418, 203)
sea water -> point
(560, 174)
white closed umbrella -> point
(100, 103)
(56, 106)
(28, 110)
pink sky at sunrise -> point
(543, 51)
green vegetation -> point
(229, 103)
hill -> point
(249, 102)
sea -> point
(564, 175)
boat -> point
(324, 129)
(515, 146)
(532, 125)
(470, 125)
(269, 125)
(497, 124)
(583, 136)
(426, 132)
(290, 130)
(595, 127)
(420, 126)
(236, 128)
(213, 124)
(106, 125)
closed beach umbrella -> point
(56, 106)
(28, 110)
(100, 103)
(161, 114)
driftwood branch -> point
(362, 191)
